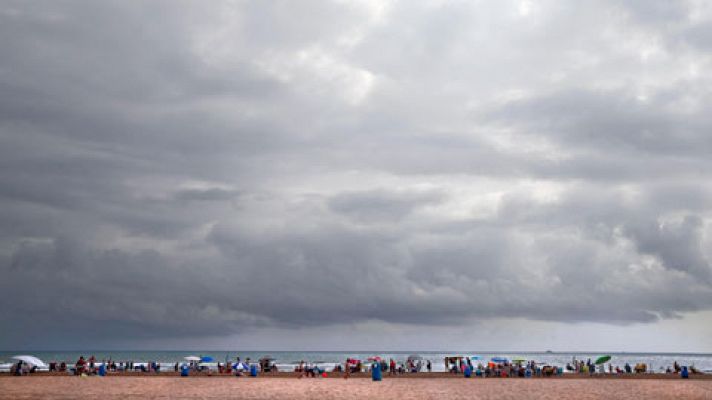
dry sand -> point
(126, 387)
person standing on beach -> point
(80, 365)
(301, 369)
(429, 366)
(347, 369)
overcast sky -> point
(425, 175)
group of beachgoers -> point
(91, 366)
(497, 367)
(527, 369)
(238, 368)
(500, 369)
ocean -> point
(287, 360)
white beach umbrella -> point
(192, 358)
(31, 360)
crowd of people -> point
(455, 365)
(525, 369)
(22, 368)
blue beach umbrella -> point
(206, 359)
(500, 359)
(475, 358)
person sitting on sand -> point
(239, 368)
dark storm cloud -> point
(257, 166)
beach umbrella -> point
(519, 359)
(191, 358)
(31, 360)
(475, 358)
(374, 358)
(602, 359)
(500, 359)
(414, 357)
(206, 359)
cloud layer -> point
(294, 165)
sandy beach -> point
(116, 387)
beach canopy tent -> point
(454, 360)
(267, 363)
(31, 360)
(415, 362)
(602, 359)
(192, 358)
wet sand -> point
(168, 387)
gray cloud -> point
(281, 167)
(381, 205)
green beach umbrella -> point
(602, 359)
(519, 359)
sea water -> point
(288, 360)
